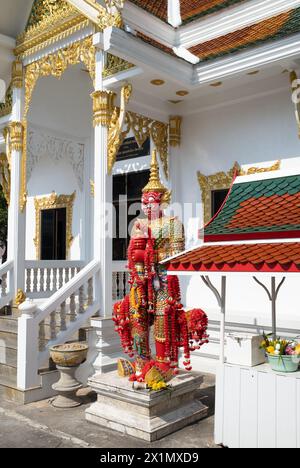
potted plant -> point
(283, 355)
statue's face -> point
(151, 204)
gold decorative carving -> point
(5, 176)
(115, 65)
(92, 185)
(53, 65)
(140, 126)
(103, 107)
(54, 201)
(218, 181)
(16, 130)
(159, 134)
(17, 74)
(20, 297)
(175, 131)
(57, 63)
(54, 22)
(260, 170)
(115, 133)
(6, 107)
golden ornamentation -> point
(16, 130)
(5, 176)
(20, 297)
(54, 201)
(260, 170)
(92, 185)
(110, 17)
(154, 184)
(140, 126)
(17, 74)
(115, 133)
(53, 65)
(57, 63)
(159, 134)
(157, 82)
(51, 25)
(115, 65)
(103, 107)
(218, 181)
(6, 107)
(175, 131)
(182, 93)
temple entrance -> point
(53, 234)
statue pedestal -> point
(143, 414)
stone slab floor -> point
(39, 425)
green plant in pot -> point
(283, 355)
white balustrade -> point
(6, 283)
(120, 283)
(43, 278)
(56, 320)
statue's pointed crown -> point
(154, 184)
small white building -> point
(214, 87)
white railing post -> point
(28, 330)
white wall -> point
(260, 129)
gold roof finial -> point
(154, 184)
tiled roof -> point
(277, 27)
(190, 9)
(194, 9)
(272, 257)
(155, 44)
(157, 8)
(268, 208)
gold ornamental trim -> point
(52, 65)
(58, 24)
(175, 123)
(16, 131)
(57, 63)
(6, 107)
(115, 65)
(20, 297)
(115, 132)
(50, 202)
(5, 176)
(261, 170)
(218, 181)
(103, 107)
(17, 74)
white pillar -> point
(102, 191)
(17, 219)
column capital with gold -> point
(17, 74)
(175, 123)
(103, 107)
(16, 132)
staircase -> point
(26, 371)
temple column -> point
(17, 209)
(102, 108)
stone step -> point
(8, 372)
(8, 356)
(8, 340)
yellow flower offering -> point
(271, 350)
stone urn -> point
(68, 358)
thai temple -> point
(150, 165)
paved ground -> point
(39, 425)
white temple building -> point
(94, 86)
